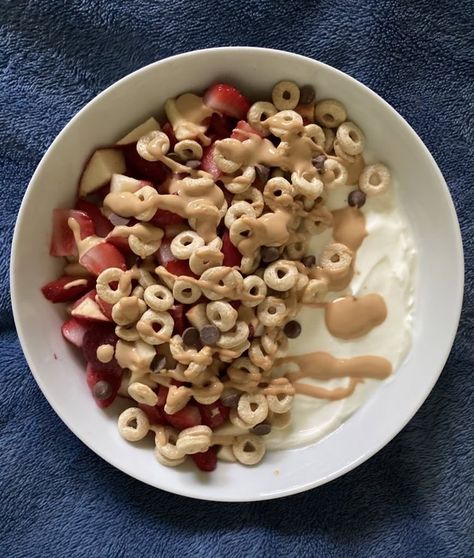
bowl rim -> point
(457, 297)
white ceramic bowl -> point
(425, 199)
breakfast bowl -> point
(432, 258)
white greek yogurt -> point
(386, 264)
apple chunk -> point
(121, 183)
(133, 136)
(99, 170)
(88, 309)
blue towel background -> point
(415, 497)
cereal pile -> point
(188, 263)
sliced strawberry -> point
(73, 331)
(162, 395)
(208, 163)
(95, 336)
(232, 256)
(141, 168)
(178, 313)
(56, 290)
(220, 126)
(179, 267)
(163, 218)
(101, 224)
(168, 130)
(213, 415)
(121, 243)
(243, 131)
(101, 257)
(225, 98)
(86, 308)
(111, 376)
(207, 460)
(164, 255)
(62, 241)
(153, 413)
(187, 417)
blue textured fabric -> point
(414, 498)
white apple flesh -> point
(88, 309)
(120, 183)
(148, 126)
(99, 170)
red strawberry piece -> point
(243, 131)
(56, 290)
(178, 314)
(102, 225)
(206, 461)
(168, 130)
(121, 243)
(225, 98)
(232, 256)
(95, 336)
(62, 241)
(213, 415)
(208, 163)
(235, 304)
(163, 218)
(141, 168)
(179, 267)
(220, 126)
(162, 394)
(187, 417)
(153, 413)
(111, 376)
(101, 257)
(73, 331)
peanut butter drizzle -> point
(325, 393)
(271, 229)
(187, 114)
(353, 169)
(323, 366)
(349, 317)
(349, 227)
(195, 197)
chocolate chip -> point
(158, 363)
(270, 254)
(308, 261)
(261, 429)
(262, 172)
(191, 337)
(209, 334)
(292, 329)
(307, 94)
(102, 390)
(230, 399)
(319, 161)
(193, 163)
(356, 198)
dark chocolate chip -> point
(209, 334)
(263, 172)
(292, 329)
(102, 390)
(193, 163)
(356, 198)
(270, 254)
(319, 161)
(230, 399)
(261, 429)
(307, 94)
(158, 363)
(308, 261)
(191, 337)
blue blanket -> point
(57, 498)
